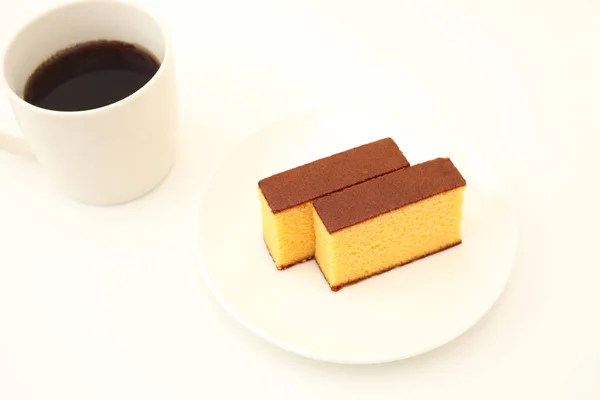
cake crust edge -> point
(395, 160)
(286, 266)
(327, 207)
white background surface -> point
(108, 303)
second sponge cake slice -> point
(388, 221)
(286, 198)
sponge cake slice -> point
(286, 198)
(388, 221)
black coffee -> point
(90, 75)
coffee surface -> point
(90, 75)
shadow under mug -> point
(108, 155)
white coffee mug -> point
(107, 155)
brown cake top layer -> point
(330, 174)
(387, 193)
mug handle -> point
(15, 145)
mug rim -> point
(40, 16)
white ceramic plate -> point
(401, 313)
